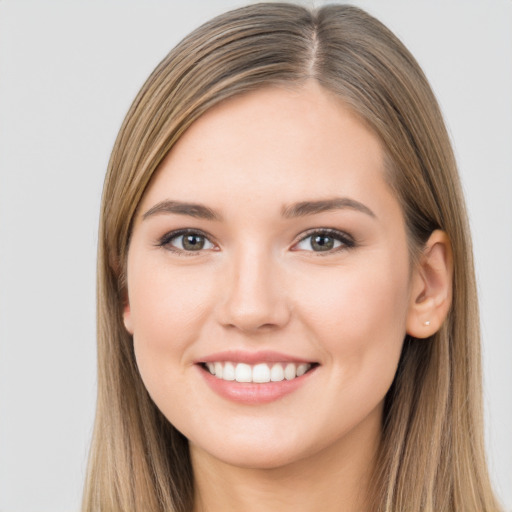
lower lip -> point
(250, 393)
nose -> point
(255, 298)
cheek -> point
(167, 309)
(165, 302)
(358, 316)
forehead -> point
(279, 142)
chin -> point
(255, 451)
(257, 458)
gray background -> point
(68, 72)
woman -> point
(286, 298)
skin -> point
(259, 285)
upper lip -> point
(262, 356)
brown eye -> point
(186, 242)
(324, 241)
(193, 242)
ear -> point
(127, 317)
(431, 287)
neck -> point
(334, 479)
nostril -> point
(254, 316)
(253, 298)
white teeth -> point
(277, 373)
(259, 373)
(302, 369)
(290, 371)
(228, 372)
(243, 373)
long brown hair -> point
(431, 456)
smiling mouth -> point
(257, 373)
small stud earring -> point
(427, 323)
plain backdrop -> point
(68, 72)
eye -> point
(186, 241)
(324, 241)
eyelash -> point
(345, 240)
(166, 240)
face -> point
(269, 250)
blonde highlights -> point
(431, 456)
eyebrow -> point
(300, 209)
(177, 207)
(313, 207)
